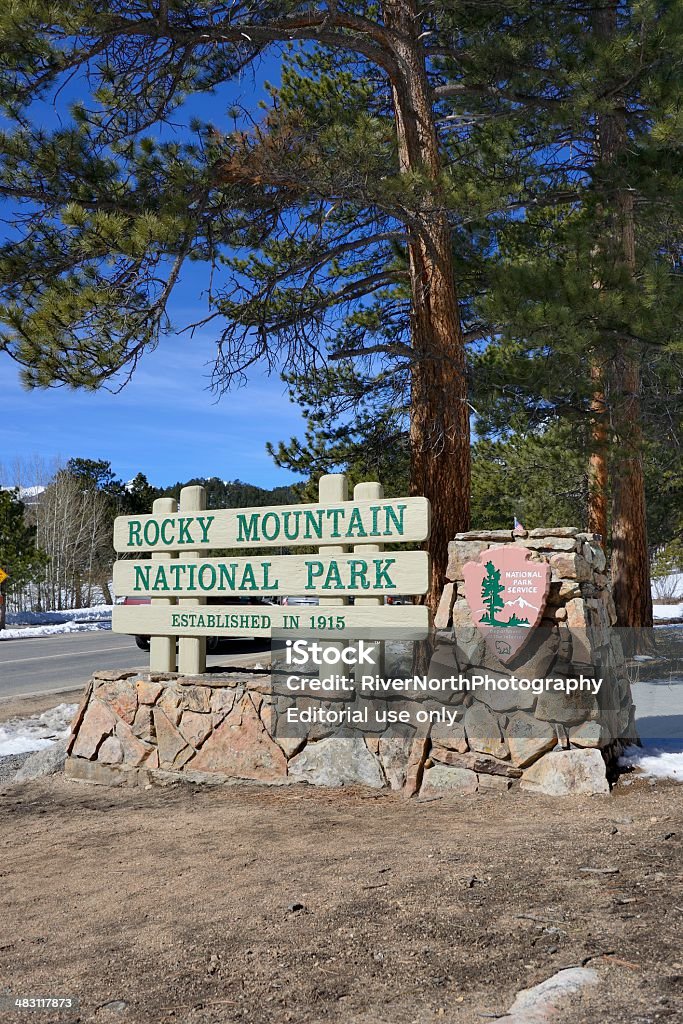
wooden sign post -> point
(162, 648)
(192, 650)
(372, 491)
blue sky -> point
(165, 423)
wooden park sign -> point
(179, 576)
(506, 594)
(358, 522)
(332, 576)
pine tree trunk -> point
(439, 419)
(597, 464)
(630, 562)
(630, 556)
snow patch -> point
(26, 492)
(521, 603)
(31, 633)
(667, 611)
(654, 763)
(668, 588)
(20, 735)
(37, 624)
(94, 614)
(31, 492)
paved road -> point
(62, 662)
(659, 713)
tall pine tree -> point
(586, 296)
(109, 216)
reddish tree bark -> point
(439, 421)
(439, 410)
(597, 464)
(630, 562)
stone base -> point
(136, 729)
(563, 743)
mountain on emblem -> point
(506, 593)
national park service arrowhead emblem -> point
(506, 594)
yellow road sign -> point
(3, 575)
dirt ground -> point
(257, 904)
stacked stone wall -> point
(137, 728)
(554, 742)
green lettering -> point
(134, 532)
(333, 580)
(226, 579)
(267, 585)
(142, 577)
(275, 531)
(160, 581)
(203, 570)
(313, 571)
(314, 522)
(359, 574)
(247, 531)
(356, 523)
(164, 538)
(397, 519)
(248, 578)
(151, 532)
(382, 577)
(205, 525)
(376, 509)
(289, 533)
(184, 537)
(334, 513)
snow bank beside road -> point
(93, 614)
(37, 624)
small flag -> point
(518, 528)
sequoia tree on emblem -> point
(506, 593)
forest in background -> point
(56, 531)
(56, 520)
